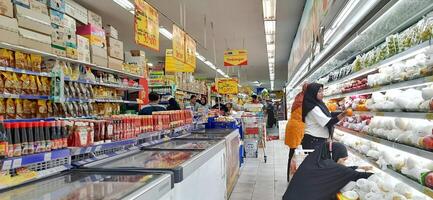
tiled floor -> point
(263, 181)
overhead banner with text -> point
(236, 57)
(174, 65)
(227, 85)
(146, 25)
(178, 43)
(190, 49)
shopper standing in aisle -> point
(319, 122)
(295, 127)
(219, 105)
(192, 104)
(322, 174)
(172, 104)
(153, 105)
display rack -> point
(17, 162)
(414, 115)
(117, 86)
(22, 71)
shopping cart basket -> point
(254, 130)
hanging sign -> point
(227, 85)
(174, 65)
(236, 57)
(146, 25)
(178, 43)
(190, 49)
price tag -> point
(7, 164)
(47, 156)
(380, 114)
(429, 116)
(16, 163)
(88, 150)
(429, 192)
(98, 148)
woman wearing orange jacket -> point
(295, 127)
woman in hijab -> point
(319, 122)
(322, 174)
(172, 104)
(295, 127)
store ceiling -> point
(237, 24)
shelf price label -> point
(47, 156)
(7, 164)
(16, 163)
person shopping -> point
(322, 174)
(172, 104)
(319, 122)
(153, 105)
(295, 127)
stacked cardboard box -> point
(83, 49)
(77, 47)
(135, 62)
(115, 49)
(8, 24)
(96, 35)
(34, 24)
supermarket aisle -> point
(263, 181)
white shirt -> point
(315, 123)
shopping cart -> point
(254, 130)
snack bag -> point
(19, 109)
(34, 108)
(33, 85)
(27, 108)
(2, 107)
(50, 108)
(8, 82)
(20, 60)
(17, 83)
(36, 62)
(25, 80)
(42, 109)
(6, 58)
(10, 109)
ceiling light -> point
(272, 85)
(211, 65)
(165, 33)
(150, 64)
(225, 75)
(270, 39)
(239, 85)
(340, 18)
(269, 9)
(270, 47)
(270, 27)
(126, 4)
(200, 57)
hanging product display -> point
(226, 85)
(146, 25)
(178, 44)
(237, 57)
(190, 51)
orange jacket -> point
(295, 129)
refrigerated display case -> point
(88, 184)
(198, 174)
(185, 144)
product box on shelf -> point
(98, 55)
(33, 20)
(114, 63)
(59, 50)
(94, 19)
(95, 34)
(8, 30)
(76, 11)
(58, 37)
(57, 17)
(70, 39)
(115, 48)
(136, 57)
(69, 23)
(71, 53)
(39, 7)
(34, 40)
(24, 3)
(83, 43)
(83, 56)
(6, 8)
(58, 5)
(110, 31)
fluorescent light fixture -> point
(269, 27)
(270, 47)
(200, 57)
(221, 72)
(166, 33)
(225, 75)
(272, 85)
(150, 64)
(340, 18)
(211, 65)
(269, 9)
(126, 4)
(270, 39)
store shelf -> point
(71, 99)
(403, 147)
(22, 71)
(25, 96)
(94, 148)
(398, 57)
(13, 163)
(399, 85)
(13, 47)
(415, 115)
(114, 71)
(118, 86)
(182, 90)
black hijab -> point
(172, 104)
(320, 177)
(310, 100)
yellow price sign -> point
(146, 25)
(236, 57)
(227, 85)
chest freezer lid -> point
(185, 144)
(94, 185)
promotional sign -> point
(227, 85)
(178, 43)
(146, 25)
(143, 94)
(174, 65)
(235, 57)
(190, 49)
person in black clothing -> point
(172, 104)
(322, 174)
(153, 105)
(219, 105)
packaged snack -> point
(20, 60)
(42, 109)
(10, 109)
(50, 108)
(67, 91)
(77, 90)
(67, 70)
(8, 82)
(27, 108)
(17, 83)
(19, 109)
(33, 85)
(6, 58)
(34, 108)
(90, 91)
(72, 91)
(75, 72)
(25, 80)
(72, 109)
(2, 85)
(36, 62)
(46, 85)
(2, 107)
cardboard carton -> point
(114, 63)
(110, 31)
(8, 30)
(33, 20)
(6, 8)
(98, 55)
(76, 11)
(58, 5)
(82, 43)
(95, 34)
(71, 39)
(38, 7)
(59, 50)
(57, 17)
(58, 36)
(83, 55)
(72, 53)
(24, 3)
(94, 19)
(115, 48)
(136, 57)
(69, 23)
(34, 40)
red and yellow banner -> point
(190, 49)
(174, 65)
(236, 57)
(227, 85)
(146, 25)
(178, 43)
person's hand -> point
(366, 168)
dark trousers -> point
(291, 153)
(311, 142)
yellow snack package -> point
(10, 109)
(8, 82)
(27, 108)
(33, 85)
(17, 83)
(36, 62)
(20, 60)
(25, 80)
(19, 109)
(42, 109)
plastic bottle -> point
(10, 149)
(3, 141)
(16, 140)
(30, 137)
(23, 135)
